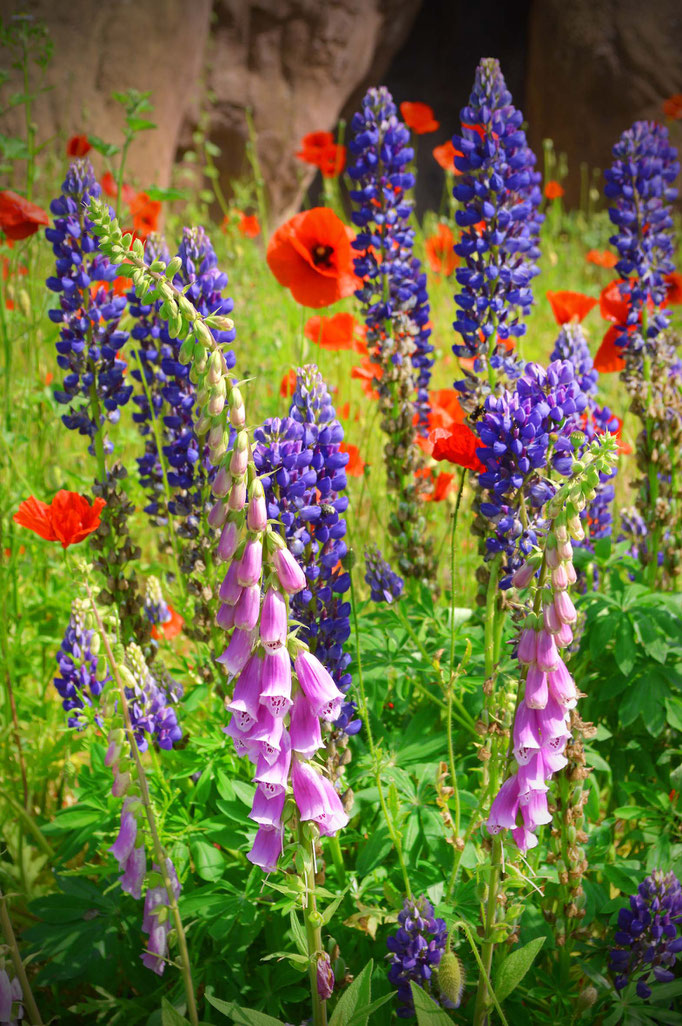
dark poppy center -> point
(322, 255)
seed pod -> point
(450, 977)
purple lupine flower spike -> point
(89, 335)
(78, 683)
(384, 584)
(649, 934)
(417, 948)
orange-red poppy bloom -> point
(332, 161)
(601, 257)
(623, 447)
(249, 225)
(367, 373)
(457, 444)
(68, 519)
(18, 217)
(419, 117)
(445, 156)
(287, 385)
(311, 255)
(110, 187)
(78, 146)
(570, 306)
(613, 303)
(439, 252)
(313, 147)
(121, 285)
(672, 107)
(442, 485)
(49, 378)
(445, 410)
(553, 190)
(609, 357)
(341, 331)
(170, 628)
(145, 214)
(356, 465)
(673, 284)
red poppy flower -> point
(445, 156)
(249, 225)
(121, 285)
(673, 284)
(344, 412)
(442, 484)
(356, 465)
(613, 303)
(170, 628)
(601, 257)
(78, 146)
(457, 444)
(419, 117)
(68, 519)
(145, 214)
(672, 107)
(445, 410)
(341, 331)
(609, 358)
(439, 252)
(623, 447)
(311, 255)
(367, 373)
(287, 385)
(553, 190)
(480, 130)
(18, 217)
(313, 147)
(49, 378)
(110, 187)
(332, 161)
(570, 306)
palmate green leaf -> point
(625, 649)
(514, 968)
(165, 195)
(428, 1012)
(353, 1006)
(242, 1016)
(170, 1016)
(105, 148)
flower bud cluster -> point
(81, 674)
(89, 311)
(417, 948)
(640, 185)
(649, 935)
(499, 194)
(393, 281)
(384, 584)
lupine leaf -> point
(428, 1012)
(515, 967)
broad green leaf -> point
(165, 195)
(136, 124)
(105, 148)
(299, 933)
(428, 1012)
(514, 968)
(170, 1016)
(243, 1016)
(354, 1002)
(625, 649)
(207, 859)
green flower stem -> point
(27, 994)
(159, 853)
(393, 832)
(482, 969)
(334, 846)
(313, 930)
(252, 156)
(453, 534)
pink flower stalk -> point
(246, 696)
(237, 498)
(231, 589)
(247, 608)
(274, 625)
(550, 620)
(316, 798)
(267, 736)
(537, 691)
(289, 573)
(505, 807)
(562, 686)
(135, 872)
(318, 685)
(218, 514)
(524, 575)
(564, 636)
(235, 656)
(547, 654)
(267, 810)
(257, 513)
(251, 563)
(229, 540)
(276, 682)
(527, 739)
(225, 616)
(527, 646)
(565, 610)
(267, 848)
(306, 736)
(277, 772)
(127, 835)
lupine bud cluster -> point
(150, 702)
(89, 311)
(394, 285)
(81, 677)
(384, 584)
(302, 470)
(524, 433)
(541, 724)
(639, 184)
(499, 195)
(649, 935)
(416, 949)
(169, 383)
(155, 605)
